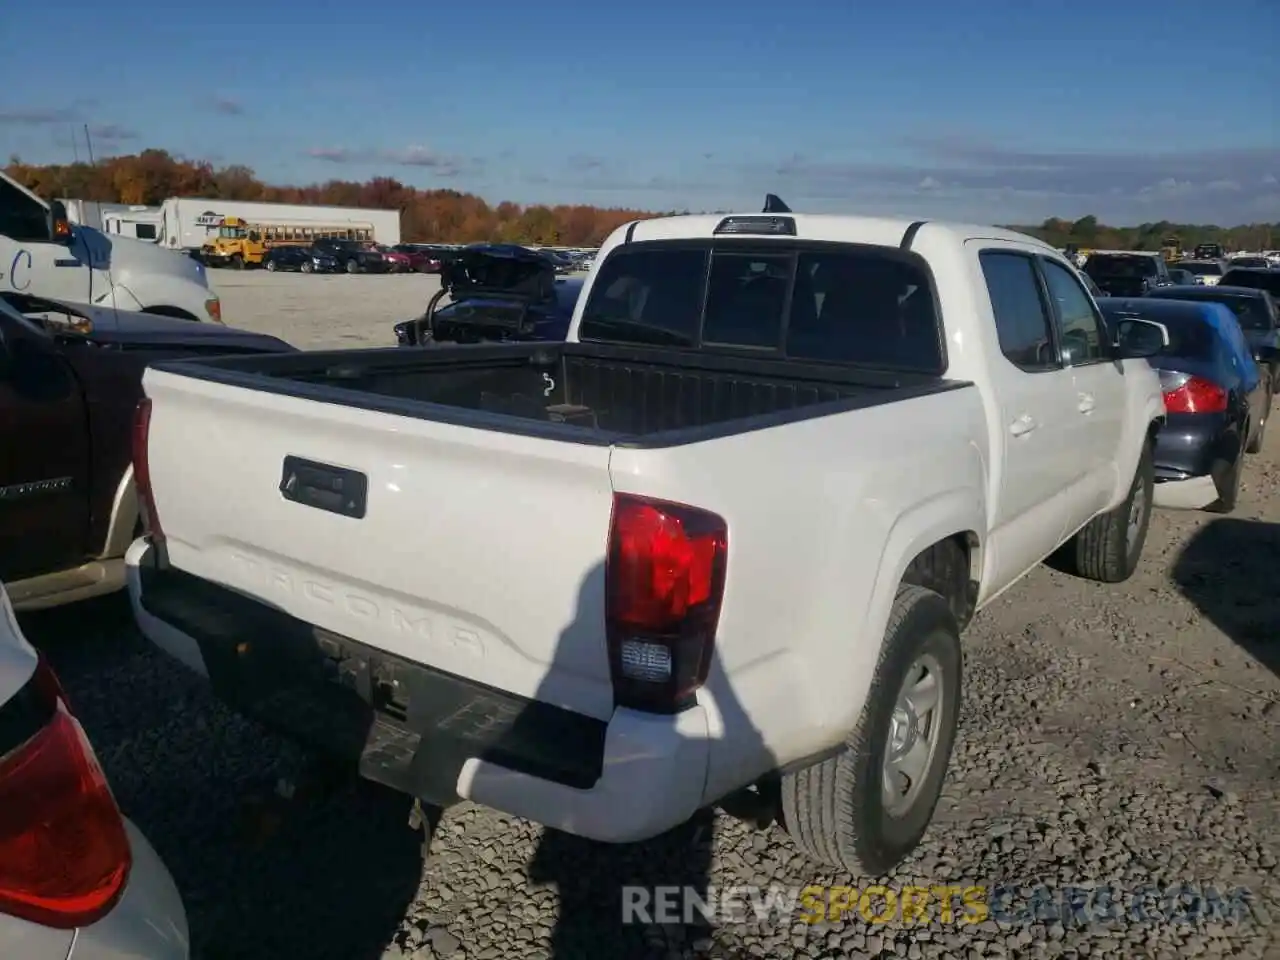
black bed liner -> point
(578, 392)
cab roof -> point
(880, 231)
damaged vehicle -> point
(497, 293)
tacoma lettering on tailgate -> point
(433, 628)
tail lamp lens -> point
(64, 853)
(665, 582)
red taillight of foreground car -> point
(64, 853)
(664, 582)
(1184, 393)
(142, 469)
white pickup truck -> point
(43, 254)
(724, 537)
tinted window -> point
(1253, 279)
(144, 231)
(1021, 319)
(647, 296)
(844, 305)
(747, 299)
(1082, 335)
(859, 306)
(1251, 312)
(1190, 337)
(21, 218)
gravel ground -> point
(1122, 735)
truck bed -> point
(586, 393)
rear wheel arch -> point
(951, 568)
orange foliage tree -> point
(443, 216)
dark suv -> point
(1127, 274)
(352, 255)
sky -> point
(988, 110)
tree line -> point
(1088, 233)
(444, 216)
(449, 216)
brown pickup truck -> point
(70, 380)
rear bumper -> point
(1188, 445)
(426, 733)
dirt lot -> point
(1119, 737)
(322, 312)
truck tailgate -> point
(479, 553)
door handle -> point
(1023, 425)
(1086, 403)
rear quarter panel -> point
(824, 516)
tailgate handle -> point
(319, 485)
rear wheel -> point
(1109, 546)
(868, 807)
(1268, 385)
(307, 266)
(1226, 473)
(353, 267)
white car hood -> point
(125, 255)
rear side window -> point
(1022, 319)
(1253, 279)
(855, 305)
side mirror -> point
(59, 222)
(1137, 339)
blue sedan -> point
(1214, 397)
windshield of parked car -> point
(1249, 311)
(1119, 265)
(864, 306)
(1202, 269)
(1190, 335)
(1268, 280)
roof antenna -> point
(773, 204)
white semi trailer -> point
(187, 223)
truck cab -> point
(42, 253)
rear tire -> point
(1107, 549)
(840, 811)
(1226, 477)
(1255, 445)
(353, 267)
(307, 266)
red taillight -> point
(664, 583)
(1184, 393)
(142, 468)
(64, 853)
